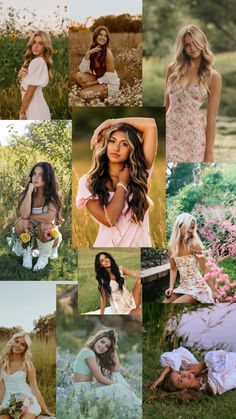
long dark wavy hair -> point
(101, 55)
(103, 277)
(137, 199)
(106, 360)
(51, 189)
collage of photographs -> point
(117, 209)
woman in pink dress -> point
(190, 80)
(115, 191)
(111, 285)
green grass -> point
(229, 266)
(210, 407)
(63, 268)
(44, 360)
(89, 297)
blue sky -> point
(79, 10)
(23, 302)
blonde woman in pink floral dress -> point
(186, 253)
(191, 81)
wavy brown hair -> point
(182, 60)
(51, 189)
(101, 55)
(47, 54)
(106, 360)
(103, 277)
(137, 197)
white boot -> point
(27, 257)
(54, 253)
(17, 248)
(44, 253)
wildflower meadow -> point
(72, 333)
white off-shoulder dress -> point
(109, 78)
(37, 76)
(221, 367)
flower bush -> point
(217, 228)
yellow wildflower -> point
(55, 50)
(54, 233)
(25, 237)
(13, 36)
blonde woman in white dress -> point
(18, 377)
(34, 76)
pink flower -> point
(24, 409)
(47, 234)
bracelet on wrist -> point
(122, 185)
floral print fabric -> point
(191, 281)
(186, 124)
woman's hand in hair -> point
(196, 368)
(168, 292)
(98, 131)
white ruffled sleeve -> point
(221, 370)
(83, 193)
(84, 66)
(112, 80)
(178, 358)
(37, 73)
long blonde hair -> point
(47, 54)
(179, 235)
(5, 357)
(182, 60)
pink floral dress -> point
(186, 124)
(191, 281)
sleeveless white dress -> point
(37, 76)
(15, 384)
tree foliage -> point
(121, 23)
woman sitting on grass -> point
(39, 209)
(111, 285)
(96, 369)
(15, 368)
(217, 374)
(97, 77)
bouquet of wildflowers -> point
(26, 239)
(18, 405)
